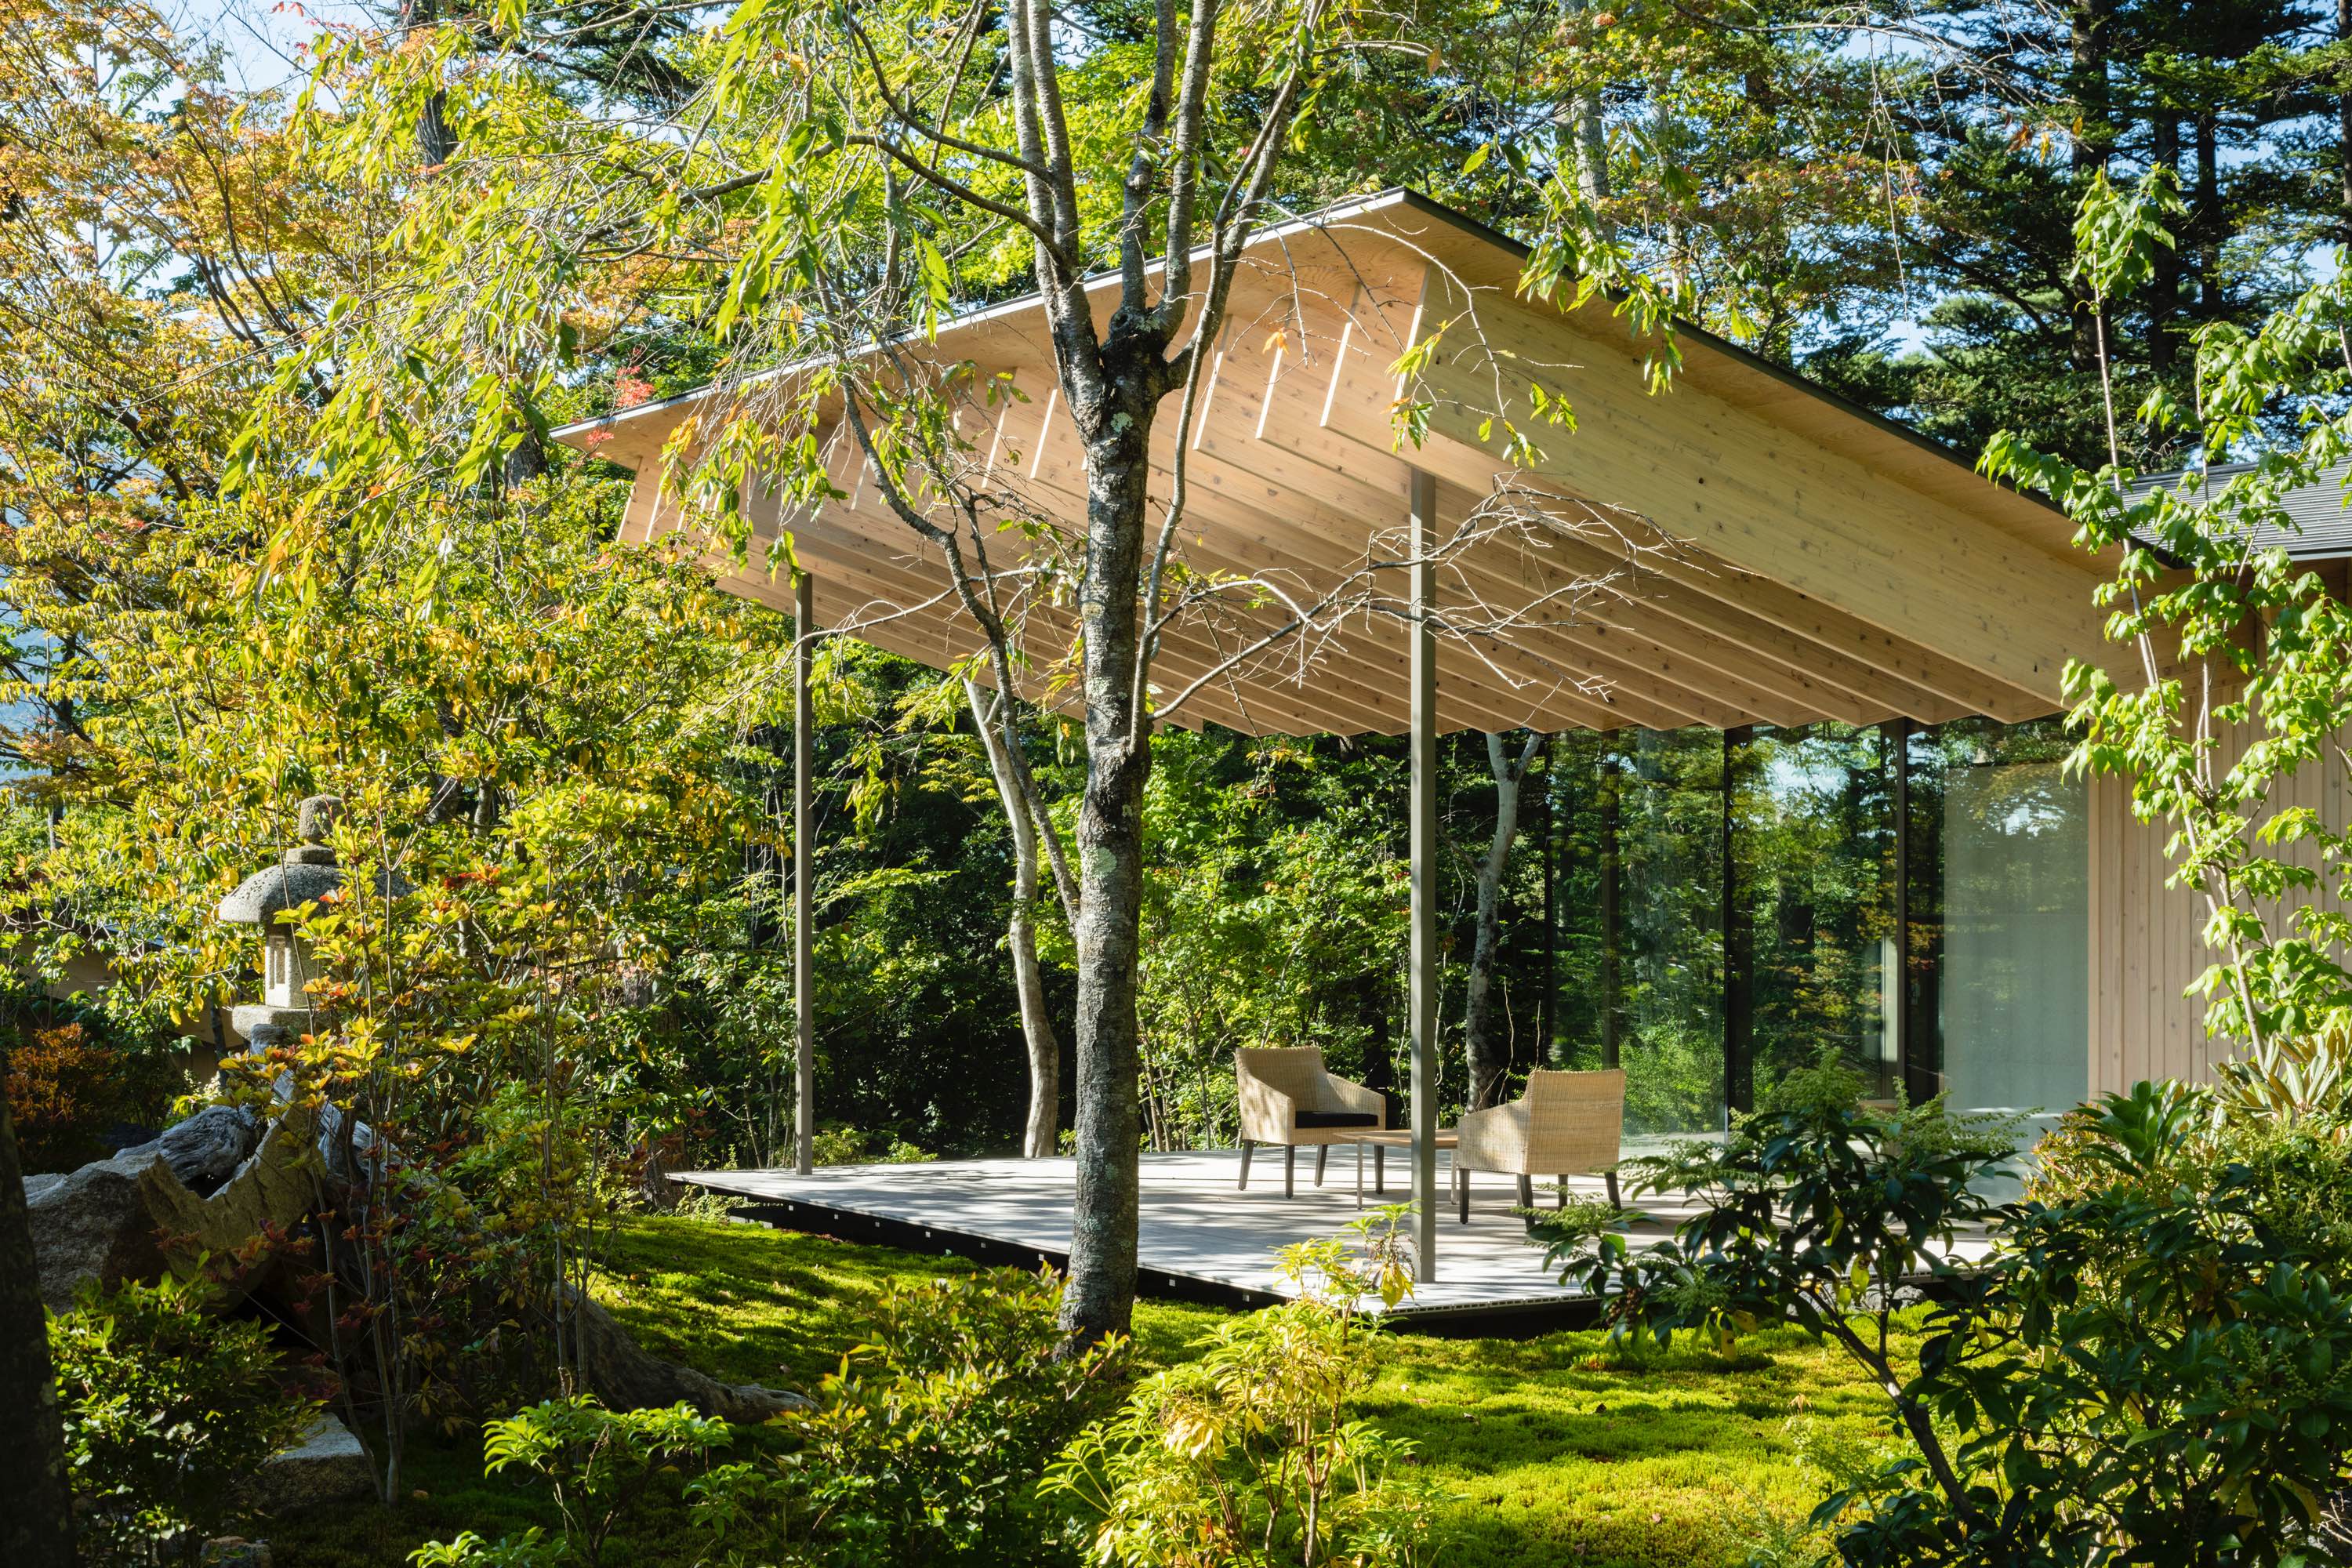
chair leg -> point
(1527, 1192)
(1560, 1193)
(1289, 1169)
(1322, 1152)
(1380, 1169)
(1462, 1192)
(1246, 1148)
(1610, 1177)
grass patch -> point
(1559, 1451)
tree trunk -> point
(1489, 1060)
(1101, 1295)
(2207, 219)
(2164, 288)
(1580, 126)
(37, 1521)
(1041, 1135)
(2344, 133)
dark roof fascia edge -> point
(1437, 211)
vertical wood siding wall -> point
(2147, 939)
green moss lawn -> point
(1559, 1451)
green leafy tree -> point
(2234, 676)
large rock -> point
(327, 1466)
(203, 1188)
(627, 1376)
(93, 1226)
(142, 1213)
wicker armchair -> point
(1567, 1124)
(1287, 1098)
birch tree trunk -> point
(1042, 1133)
(1489, 1060)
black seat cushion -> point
(1336, 1119)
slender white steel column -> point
(804, 852)
(1423, 840)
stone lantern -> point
(307, 874)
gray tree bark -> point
(1103, 1220)
(1488, 1056)
(1042, 1133)
(36, 1507)
(1579, 117)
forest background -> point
(587, 745)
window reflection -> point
(1837, 928)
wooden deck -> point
(1200, 1238)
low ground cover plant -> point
(925, 1445)
(1565, 1448)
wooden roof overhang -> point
(1742, 548)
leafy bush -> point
(598, 1463)
(168, 1412)
(850, 1146)
(926, 1446)
(2154, 1366)
(70, 1083)
(929, 1441)
(1247, 1455)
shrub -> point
(168, 1413)
(926, 1446)
(598, 1462)
(929, 1443)
(850, 1146)
(2154, 1366)
(69, 1084)
(1247, 1455)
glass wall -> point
(2012, 839)
(1815, 853)
(1851, 885)
(1640, 820)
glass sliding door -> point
(1729, 908)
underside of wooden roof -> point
(1739, 549)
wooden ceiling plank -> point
(1248, 542)
(1875, 686)
(846, 561)
(1884, 671)
(1234, 537)
(1666, 690)
(1939, 574)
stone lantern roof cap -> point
(266, 894)
(308, 873)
